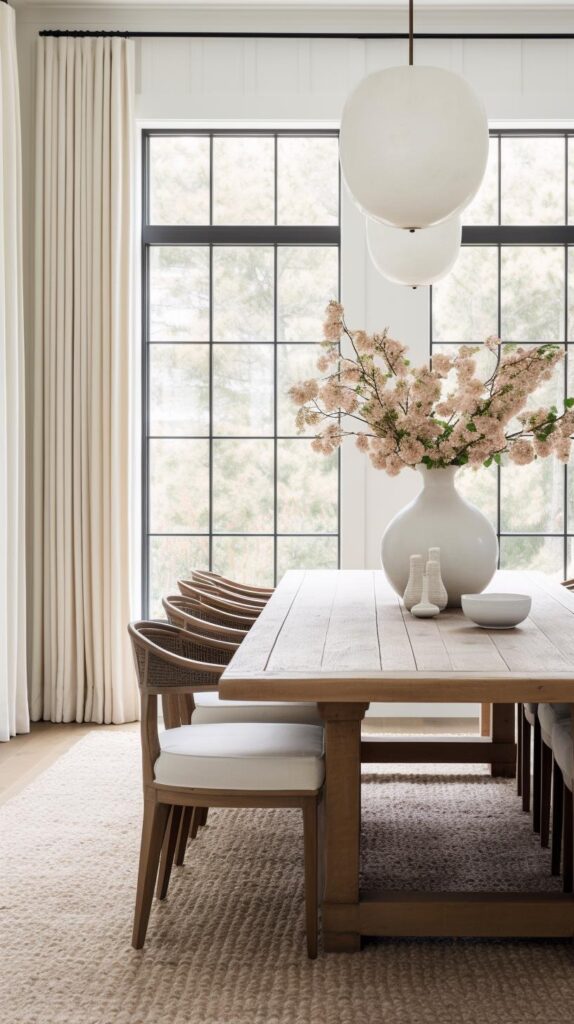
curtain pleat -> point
(81, 663)
(13, 676)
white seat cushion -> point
(242, 755)
(548, 716)
(209, 708)
(563, 750)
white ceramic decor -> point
(413, 145)
(437, 590)
(414, 257)
(440, 517)
(425, 609)
(496, 611)
(414, 589)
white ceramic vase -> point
(440, 517)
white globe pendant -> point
(413, 145)
(414, 257)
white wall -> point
(306, 82)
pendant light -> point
(413, 144)
(414, 257)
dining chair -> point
(563, 816)
(548, 716)
(232, 593)
(235, 765)
(244, 588)
(214, 600)
(208, 706)
(217, 616)
(527, 723)
(180, 612)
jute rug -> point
(228, 946)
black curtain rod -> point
(81, 33)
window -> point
(514, 278)
(240, 256)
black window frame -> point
(497, 236)
(211, 235)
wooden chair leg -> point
(167, 852)
(545, 790)
(153, 831)
(557, 816)
(311, 881)
(519, 717)
(195, 821)
(536, 771)
(526, 744)
(183, 836)
(568, 845)
(203, 815)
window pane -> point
(179, 389)
(243, 389)
(484, 207)
(243, 293)
(243, 486)
(480, 487)
(533, 171)
(308, 181)
(464, 304)
(169, 558)
(307, 279)
(532, 497)
(307, 486)
(179, 486)
(532, 299)
(545, 554)
(306, 553)
(294, 363)
(243, 180)
(179, 179)
(249, 559)
(179, 293)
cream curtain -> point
(13, 683)
(81, 663)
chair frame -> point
(216, 616)
(169, 673)
(211, 599)
(179, 610)
(241, 588)
(232, 594)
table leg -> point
(342, 824)
(503, 719)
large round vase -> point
(440, 517)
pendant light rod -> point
(411, 32)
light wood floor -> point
(25, 757)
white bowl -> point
(496, 611)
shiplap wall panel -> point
(244, 78)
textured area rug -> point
(228, 945)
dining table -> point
(343, 640)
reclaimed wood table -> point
(343, 639)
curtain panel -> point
(81, 663)
(13, 676)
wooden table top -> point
(344, 636)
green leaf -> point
(568, 403)
(487, 462)
(497, 458)
(471, 427)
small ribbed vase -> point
(440, 517)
